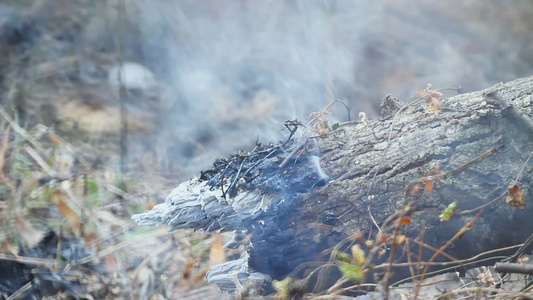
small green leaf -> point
(352, 272)
(122, 186)
(282, 287)
(92, 190)
(344, 257)
(448, 212)
(92, 187)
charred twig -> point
(236, 176)
(502, 267)
(237, 166)
(221, 182)
(315, 116)
(258, 161)
(292, 126)
(292, 153)
(295, 150)
(521, 250)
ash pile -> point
(251, 193)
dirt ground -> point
(198, 81)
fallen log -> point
(370, 183)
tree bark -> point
(295, 209)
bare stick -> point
(502, 267)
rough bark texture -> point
(294, 211)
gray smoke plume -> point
(235, 70)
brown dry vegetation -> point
(66, 205)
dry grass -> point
(51, 189)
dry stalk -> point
(405, 209)
(459, 234)
(3, 150)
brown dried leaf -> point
(217, 255)
(30, 235)
(433, 100)
(516, 197)
(416, 189)
(428, 188)
(54, 138)
(67, 212)
(60, 200)
(400, 239)
(191, 263)
(406, 220)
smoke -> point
(236, 70)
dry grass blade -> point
(161, 231)
(3, 150)
(147, 259)
(19, 129)
(38, 159)
(20, 292)
(29, 260)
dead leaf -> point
(433, 100)
(60, 200)
(428, 188)
(217, 255)
(405, 220)
(54, 138)
(30, 235)
(68, 213)
(416, 189)
(191, 263)
(515, 197)
(400, 239)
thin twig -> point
(522, 169)
(405, 207)
(421, 248)
(460, 233)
